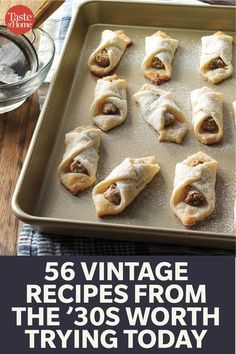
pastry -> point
(159, 54)
(109, 107)
(193, 197)
(207, 115)
(109, 52)
(123, 184)
(161, 112)
(78, 168)
(216, 57)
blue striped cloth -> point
(57, 25)
(33, 243)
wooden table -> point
(16, 129)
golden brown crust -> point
(220, 33)
(77, 141)
(218, 45)
(109, 40)
(159, 47)
(201, 175)
(156, 78)
(162, 34)
(76, 188)
(190, 220)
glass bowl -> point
(12, 95)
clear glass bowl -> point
(14, 94)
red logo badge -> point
(19, 19)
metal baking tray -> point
(41, 200)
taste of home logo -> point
(19, 19)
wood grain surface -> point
(16, 129)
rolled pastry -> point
(123, 184)
(216, 57)
(159, 54)
(161, 112)
(78, 168)
(193, 197)
(108, 53)
(109, 107)
(207, 115)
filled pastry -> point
(109, 107)
(78, 168)
(109, 52)
(216, 57)
(193, 197)
(207, 115)
(123, 184)
(161, 112)
(159, 53)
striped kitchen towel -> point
(57, 25)
(33, 243)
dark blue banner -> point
(120, 304)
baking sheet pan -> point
(41, 200)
